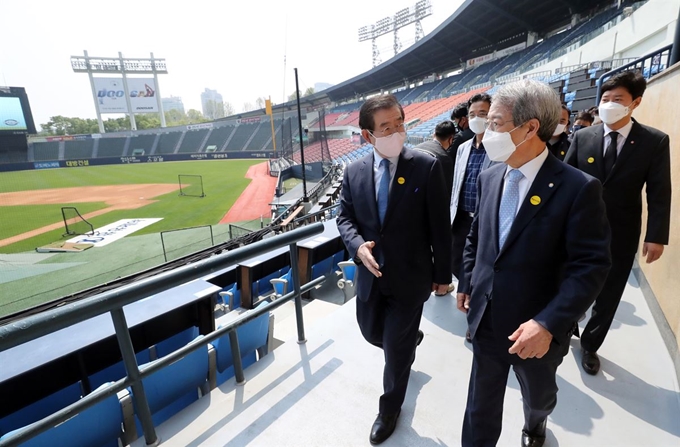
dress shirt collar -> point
(624, 131)
(530, 169)
(377, 158)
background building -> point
(173, 103)
(212, 104)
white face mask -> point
(477, 124)
(499, 145)
(390, 146)
(559, 129)
(611, 112)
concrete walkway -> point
(325, 392)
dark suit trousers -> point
(490, 367)
(392, 326)
(607, 301)
(459, 232)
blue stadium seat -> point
(41, 409)
(233, 297)
(175, 387)
(338, 258)
(175, 342)
(322, 268)
(284, 284)
(116, 372)
(97, 426)
(251, 337)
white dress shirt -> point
(529, 170)
(621, 139)
(378, 172)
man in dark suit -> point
(460, 118)
(625, 155)
(537, 256)
(437, 147)
(394, 221)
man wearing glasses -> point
(394, 222)
(471, 159)
(537, 256)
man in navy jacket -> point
(537, 256)
(394, 221)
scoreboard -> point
(15, 112)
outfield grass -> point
(24, 284)
(223, 182)
(99, 265)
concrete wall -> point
(659, 108)
(650, 27)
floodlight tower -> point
(423, 8)
(402, 18)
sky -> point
(236, 48)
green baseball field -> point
(31, 216)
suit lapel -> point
(400, 183)
(626, 150)
(367, 187)
(546, 182)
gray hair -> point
(530, 99)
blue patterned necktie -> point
(383, 189)
(508, 208)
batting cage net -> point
(191, 185)
(74, 223)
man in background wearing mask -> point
(626, 156)
(583, 119)
(471, 159)
(460, 118)
(438, 146)
(536, 258)
(394, 221)
(558, 145)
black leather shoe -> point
(467, 336)
(590, 362)
(421, 335)
(535, 438)
(383, 427)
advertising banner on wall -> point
(111, 95)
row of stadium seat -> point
(168, 390)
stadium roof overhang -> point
(477, 27)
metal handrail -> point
(637, 62)
(19, 332)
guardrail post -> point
(236, 357)
(132, 369)
(298, 294)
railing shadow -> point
(240, 405)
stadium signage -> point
(252, 119)
(111, 95)
(112, 232)
(27, 166)
(496, 55)
(77, 163)
(46, 165)
(200, 126)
